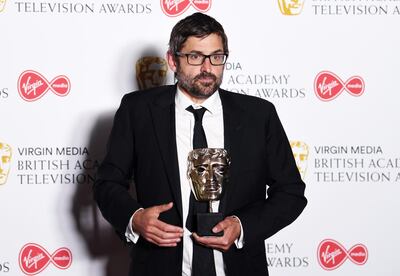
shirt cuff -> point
(130, 234)
(239, 242)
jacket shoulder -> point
(149, 95)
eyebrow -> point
(219, 51)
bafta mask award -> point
(208, 171)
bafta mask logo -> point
(151, 72)
(300, 152)
(5, 162)
(2, 5)
(291, 7)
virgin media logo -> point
(177, 7)
(33, 258)
(328, 86)
(332, 254)
(32, 85)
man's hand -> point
(231, 228)
(148, 225)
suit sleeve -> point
(285, 200)
(111, 187)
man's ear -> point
(171, 61)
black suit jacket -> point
(142, 144)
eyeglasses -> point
(198, 59)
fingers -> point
(222, 225)
(168, 228)
(163, 207)
(231, 228)
(220, 243)
(160, 237)
(209, 241)
(164, 230)
(152, 229)
(161, 241)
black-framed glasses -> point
(198, 59)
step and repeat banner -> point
(329, 66)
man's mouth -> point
(206, 77)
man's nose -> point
(206, 66)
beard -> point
(201, 86)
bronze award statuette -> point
(208, 171)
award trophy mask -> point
(300, 153)
(5, 160)
(151, 72)
(208, 174)
(291, 7)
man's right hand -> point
(148, 225)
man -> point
(150, 140)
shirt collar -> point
(212, 104)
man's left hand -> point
(231, 228)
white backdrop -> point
(51, 139)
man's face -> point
(207, 175)
(198, 81)
(5, 159)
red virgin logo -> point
(328, 86)
(32, 85)
(33, 258)
(332, 254)
(177, 7)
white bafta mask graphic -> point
(5, 161)
(300, 153)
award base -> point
(206, 222)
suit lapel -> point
(163, 115)
(233, 125)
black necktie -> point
(199, 136)
(203, 257)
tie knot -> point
(198, 113)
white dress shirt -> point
(213, 125)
